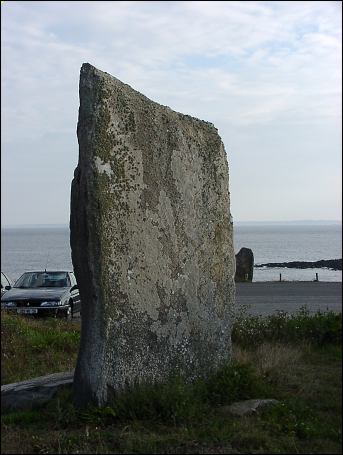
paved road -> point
(263, 298)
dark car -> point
(53, 293)
(6, 283)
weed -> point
(319, 328)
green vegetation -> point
(35, 347)
(320, 328)
(296, 360)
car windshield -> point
(43, 280)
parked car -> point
(44, 293)
(6, 283)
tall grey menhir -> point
(151, 241)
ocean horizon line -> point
(238, 223)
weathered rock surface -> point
(33, 392)
(244, 265)
(151, 241)
(334, 264)
(247, 407)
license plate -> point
(27, 310)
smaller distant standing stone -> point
(244, 265)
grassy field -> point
(296, 360)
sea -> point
(40, 247)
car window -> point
(4, 281)
(43, 280)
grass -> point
(297, 361)
(35, 347)
(320, 328)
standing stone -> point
(244, 265)
(151, 241)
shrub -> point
(319, 328)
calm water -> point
(285, 243)
(36, 248)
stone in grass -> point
(151, 241)
(247, 407)
(32, 393)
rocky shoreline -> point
(333, 264)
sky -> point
(267, 74)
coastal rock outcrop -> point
(244, 265)
(333, 264)
(151, 241)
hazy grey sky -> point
(267, 74)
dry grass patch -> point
(269, 357)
